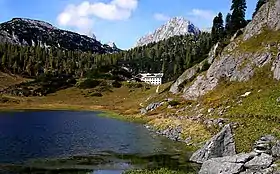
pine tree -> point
(260, 3)
(228, 25)
(238, 15)
(218, 28)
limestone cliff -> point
(257, 45)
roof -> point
(159, 75)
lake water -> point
(75, 142)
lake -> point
(75, 142)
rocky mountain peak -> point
(31, 32)
(33, 22)
(175, 26)
(112, 44)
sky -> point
(119, 21)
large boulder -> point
(249, 163)
(258, 163)
(226, 165)
(220, 145)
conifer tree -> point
(260, 3)
(238, 15)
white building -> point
(152, 78)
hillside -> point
(242, 83)
(30, 32)
(174, 27)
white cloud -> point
(81, 16)
(161, 17)
(203, 18)
(204, 14)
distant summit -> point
(175, 26)
(31, 32)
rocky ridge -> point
(232, 63)
(175, 26)
(30, 32)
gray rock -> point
(267, 16)
(220, 145)
(226, 165)
(217, 167)
(276, 68)
(259, 162)
(143, 111)
(187, 76)
(154, 106)
(276, 149)
(278, 100)
(259, 171)
(264, 144)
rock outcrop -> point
(236, 63)
(220, 145)
(267, 16)
(256, 162)
(191, 73)
(175, 26)
(151, 107)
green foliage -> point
(171, 56)
(159, 171)
(133, 84)
(96, 94)
(205, 66)
(218, 29)
(238, 20)
(116, 84)
(88, 83)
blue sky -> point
(120, 21)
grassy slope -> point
(8, 80)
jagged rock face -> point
(190, 73)
(220, 145)
(267, 16)
(175, 26)
(236, 65)
(30, 32)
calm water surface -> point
(68, 142)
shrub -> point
(205, 66)
(88, 83)
(133, 85)
(173, 103)
(96, 94)
(116, 84)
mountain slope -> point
(175, 26)
(257, 47)
(31, 32)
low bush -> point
(173, 103)
(88, 83)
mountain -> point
(175, 26)
(29, 32)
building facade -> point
(152, 78)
